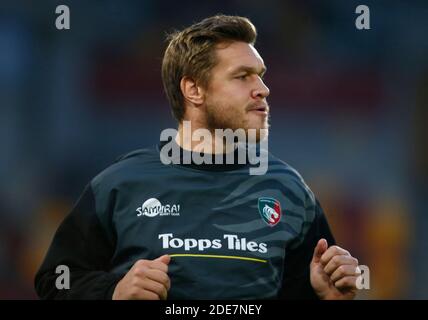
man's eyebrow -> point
(249, 69)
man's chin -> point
(263, 135)
(249, 135)
(255, 135)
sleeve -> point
(296, 279)
(81, 244)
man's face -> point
(236, 94)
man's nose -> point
(262, 91)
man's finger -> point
(344, 271)
(139, 293)
(160, 263)
(157, 264)
(148, 295)
(319, 250)
(349, 282)
(155, 287)
(159, 276)
(164, 259)
(331, 252)
(338, 261)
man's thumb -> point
(321, 247)
(165, 259)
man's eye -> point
(242, 77)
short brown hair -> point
(191, 53)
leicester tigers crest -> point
(270, 210)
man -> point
(144, 229)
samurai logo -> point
(270, 210)
(153, 207)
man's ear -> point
(191, 91)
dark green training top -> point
(230, 235)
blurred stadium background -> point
(349, 110)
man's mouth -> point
(260, 109)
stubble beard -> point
(216, 118)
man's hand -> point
(334, 272)
(146, 280)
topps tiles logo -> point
(153, 207)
